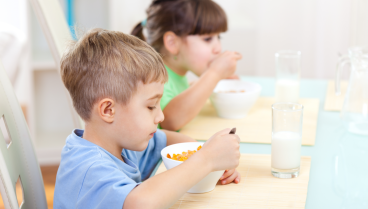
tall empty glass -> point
(287, 119)
(288, 67)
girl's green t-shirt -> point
(175, 85)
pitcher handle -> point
(342, 62)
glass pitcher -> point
(354, 112)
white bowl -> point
(234, 105)
(208, 183)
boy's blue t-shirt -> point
(91, 177)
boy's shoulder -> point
(80, 156)
(87, 173)
(77, 150)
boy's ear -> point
(106, 109)
(172, 42)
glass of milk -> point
(286, 142)
(288, 66)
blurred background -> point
(321, 30)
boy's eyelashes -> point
(151, 107)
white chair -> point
(17, 156)
(56, 30)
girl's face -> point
(197, 52)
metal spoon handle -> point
(233, 130)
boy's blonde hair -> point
(108, 64)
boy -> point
(116, 82)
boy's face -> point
(198, 51)
(136, 122)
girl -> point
(186, 33)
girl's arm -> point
(184, 107)
(161, 191)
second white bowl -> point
(233, 99)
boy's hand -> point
(221, 151)
(225, 64)
(230, 176)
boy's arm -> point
(175, 137)
(163, 190)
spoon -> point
(233, 130)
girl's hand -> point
(235, 77)
(230, 176)
(225, 64)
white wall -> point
(322, 30)
(125, 14)
(319, 29)
(359, 23)
(15, 14)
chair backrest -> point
(52, 20)
(53, 23)
(17, 156)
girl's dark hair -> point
(183, 17)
